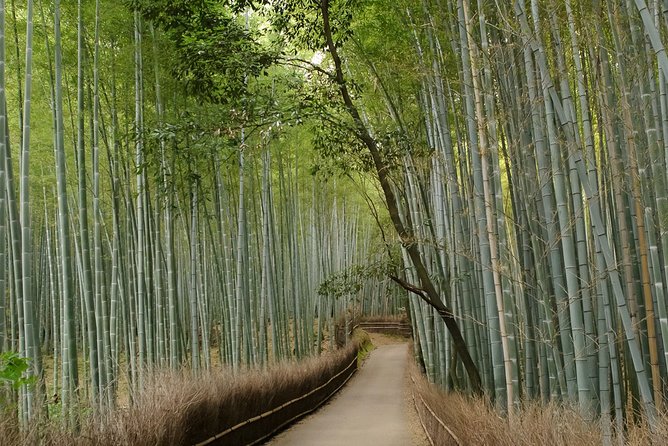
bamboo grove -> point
(521, 148)
(540, 208)
(140, 232)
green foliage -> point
(340, 151)
(333, 134)
(13, 369)
(351, 280)
(215, 53)
(300, 21)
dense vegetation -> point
(220, 181)
(163, 214)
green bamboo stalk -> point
(4, 344)
(84, 239)
(193, 289)
(584, 274)
(268, 290)
(140, 260)
(101, 312)
(573, 304)
(70, 381)
(490, 289)
(31, 323)
(53, 299)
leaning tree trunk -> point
(428, 290)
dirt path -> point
(370, 410)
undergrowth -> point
(474, 421)
(177, 408)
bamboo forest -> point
(197, 185)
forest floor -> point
(375, 407)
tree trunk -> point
(428, 290)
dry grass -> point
(177, 408)
(475, 422)
(8, 428)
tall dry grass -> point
(9, 432)
(176, 408)
(475, 422)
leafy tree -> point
(216, 52)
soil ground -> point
(374, 408)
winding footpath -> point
(370, 410)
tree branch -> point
(412, 288)
(305, 65)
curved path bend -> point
(370, 410)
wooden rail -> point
(259, 428)
(400, 328)
(433, 416)
(387, 327)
